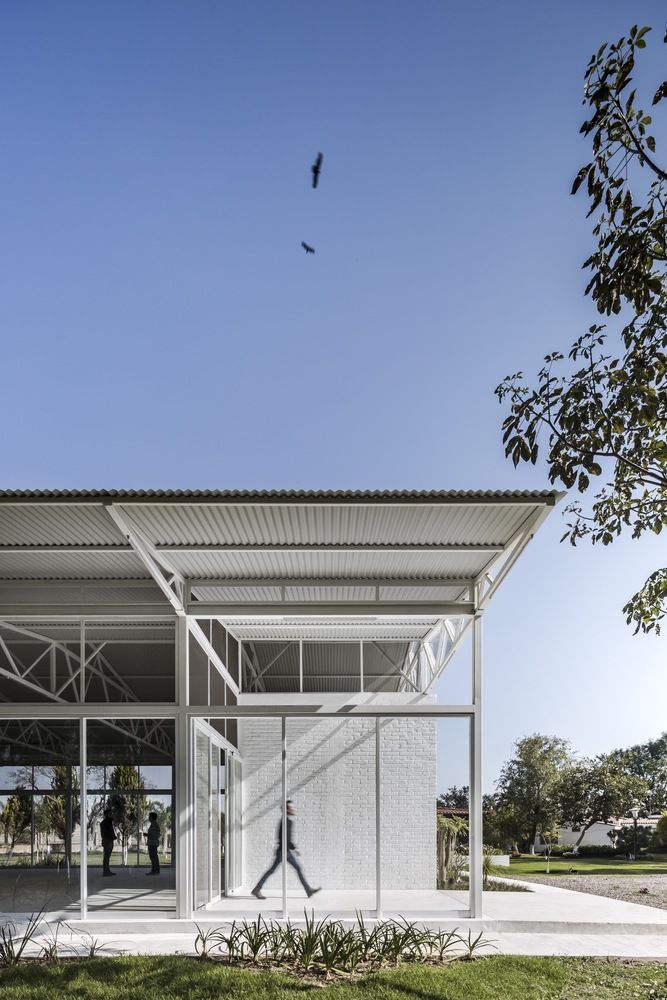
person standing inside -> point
(153, 838)
(292, 855)
(107, 835)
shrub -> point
(558, 850)
(597, 851)
(327, 946)
(661, 830)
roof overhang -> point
(262, 557)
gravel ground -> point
(625, 887)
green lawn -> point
(535, 865)
(496, 978)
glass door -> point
(233, 824)
(217, 816)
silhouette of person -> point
(153, 838)
(108, 835)
(292, 855)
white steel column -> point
(361, 665)
(82, 674)
(475, 870)
(284, 812)
(300, 666)
(184, 812)
(83, 819)
(378, 824)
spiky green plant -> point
(253, 938)
(230, 939)
(472, 945)
(206, 941)
(13, 942)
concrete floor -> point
(343, 903)
(129, 892)
(134, 914)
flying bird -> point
(307, 248)
(315, 169)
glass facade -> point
(130, 814)
(39, 815)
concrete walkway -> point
(545, 921)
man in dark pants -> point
(292, 854)
(153, 837)
(108, 835)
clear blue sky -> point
(163, 328)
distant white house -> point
(596, 835)
(603, 834)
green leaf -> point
(660, 92)
(579, 179)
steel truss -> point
(81, 668)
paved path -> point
(628, 888)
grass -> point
(536, 865)
(180, 978)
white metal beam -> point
(169, 581)
(27, 611)
(200, 636)
(346, 609)
(405, 582)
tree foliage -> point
(648, 761)
(593, 791)
(128, 803)
(15, 816)
(529, 786)
(454, 797)
(661, 829)
(600, 414)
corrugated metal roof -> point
(63, 565)
(277, 496)
(334, 563)
(346, 542)
(276, 629)
(313, 524)
(45, 524)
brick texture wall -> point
(331, 779)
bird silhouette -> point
(315, 169)
(307, 248)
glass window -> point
(40, 816)
(129, 825)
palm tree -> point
(450, 829)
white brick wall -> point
(331, 779)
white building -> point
(209, 656)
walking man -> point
(153, 838)
(292, 855)
(108, 835)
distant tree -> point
(164, 819)
(647, 761)
(594, 790)
(624, 839)
(529, 786)
(499, 826)
(601, 416)
(661, 829)
(128, 803)
(16, 816)
(454, 798)
(59, 811)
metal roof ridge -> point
(550, 497)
